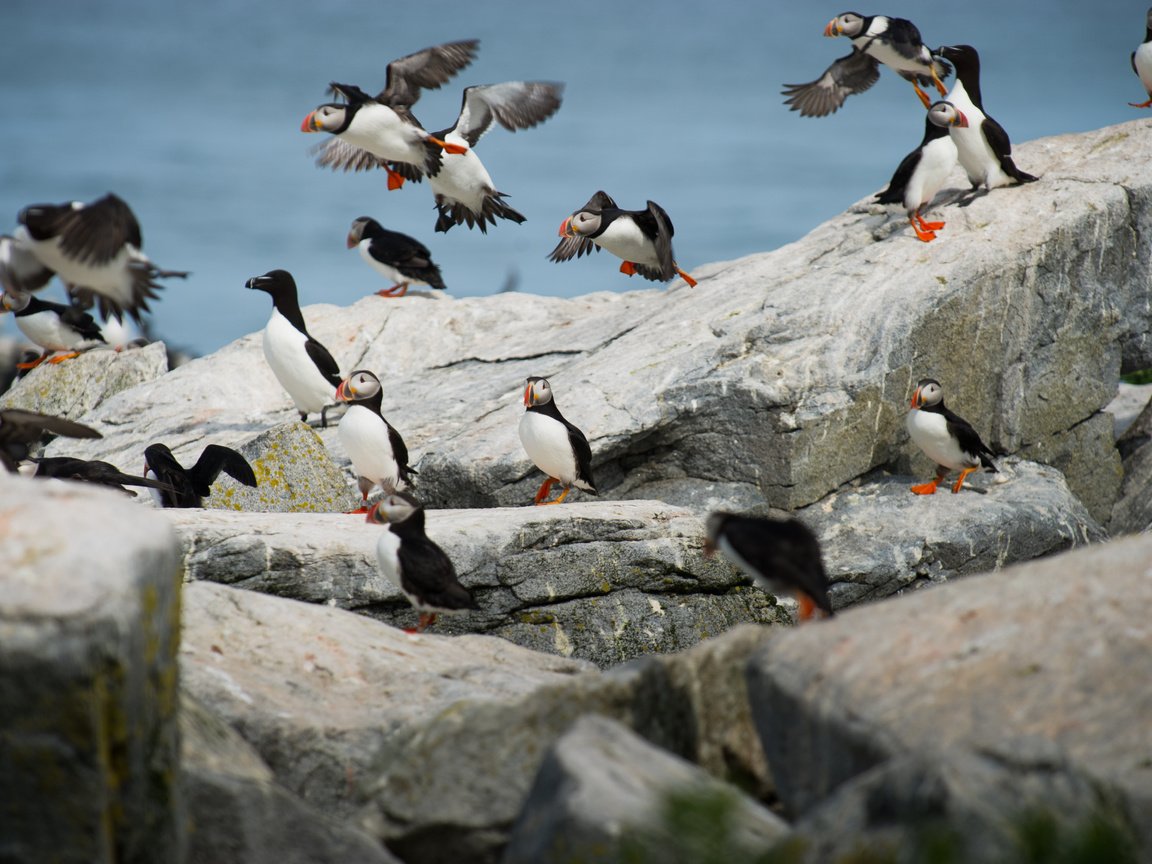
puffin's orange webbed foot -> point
(923, 96)
(628, 268)
(691, 282)
(960, 481)
(60, 358)
(395, 291)
(543, 491)
(928, 488)
(1147, 104)
(395, 179)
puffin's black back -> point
(786, 550)
(426, 571)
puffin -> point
(876, 39)
(20, 271)
(182, 487)
(376, 449)
(22, 430)
(463, 188)
(920, 176)
(89, 471)
(553, 444)
(52, 326)
(781, 555)
(415, 564)
(1142, 62)
(380, 131)
(403, 259)
(982, 145)
(643, 238)
(302, 365)
(97, 250)
(946, 438)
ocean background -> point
(191, 112)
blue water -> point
(191, 112)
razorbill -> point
(187, 487)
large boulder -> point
(1133, 510)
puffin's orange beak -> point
(309, 124)
(832, 29)
(342, 392)
(916, 398)
(528, 395)
(566, 227)
(352, 244)
(960, 120)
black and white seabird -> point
(52, 326)
(553, 444)
(876, 39)
(946, 438)
(781, 555)
(415, 564)
(381, 131)
(188, 487)
(463, 188)
(920, 176)
(301, 364)
(376, 449)
(22, 430)
(1142, 62)
(403, 259)
(982, 145)
(20, 270)
(97, 250)
(89, 471)
(643, 238)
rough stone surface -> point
(1130, 401)
(1043, 650)
(89, 624)
(1133, 510)
(603, 791)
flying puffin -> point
(781, 555)
(919, 177)
(21, 430)
(414, 564)
(403, 259)
(20, 271)
(88, 471)
(376, 449)
(96, 249)
(52, 326)
(380, 131)
(556, 447)
(876, 39)
(301, 364)
(463, 188)
(187, 487)
(1142, 62)
(946, 439)
(982, 145)
(643, 238)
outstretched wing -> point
(852, 74)
(96, 232)
(428, 69)
(577, 245)
(215, 459)
(513, 104)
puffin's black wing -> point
(1134, 69)
(406, 254)
(854, 73)
(94, 471)
(894, 194)
(904, 37)
(654, 222)
(784, 550)
(20, 271)
(20, 429)
(215, 459)
(577, 245)
(968, 438)
(426, 573)
(170, 472)
(400, 453)
(583, 451)
(1001, 146)
(96, 232)
(428, 69)
(512, 104)
(80, 321)
(324, 361)
(339, 155)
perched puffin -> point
(556, 447)
(89, 471)
(374, 131)
(301, 364)
(876, 39)
(376, 449)
(781, 555)
(52, 326)
(643, 238)
(96, 249)
(414, 564)
(946, 439)
(982, 145)
(20, 271)
(463, 188)
(187, 487)
(919, 177)
(403, 259)
(1142, 62)
(21, 430)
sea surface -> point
(191, 112)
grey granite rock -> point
(1133, 510)
(1130, 401)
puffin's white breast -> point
(364, 435)
(462, 177)
(113, 279)
(1143, 61)
(379, 130)
(285, 352)
(937, 159)
(930, 433)
(49, 332)
(545, 440)
(388, 556)
(624, 239)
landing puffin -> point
(643, 238)
(301, 364)
(188, 487)
(876, 39)
(380, 131)
(982, 145)
(89, 471)
(1142, 62)
(553, 444)
(22, 430)
(946, 438)
(781, 555)
(403, 259)
(20, 271)
(52, 326)
(415, 564)
(463, 188)
(920, 176)
(96, 249)
(378, 453)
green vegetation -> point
(1143, 376)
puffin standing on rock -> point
(556, 447)
(920, 176)
(302, 365)
(376, 449)
(781, 555)
(188, 487)
(403, 259)
(52, 326)
(1142, 62)
(415, 564)
(946, 438)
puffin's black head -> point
(159, 456)
(928, 392)
(363, 227)
(850, 24)
(360, 386)
(395, 508)
(945, 115)
(274, 282)
(537, 391)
